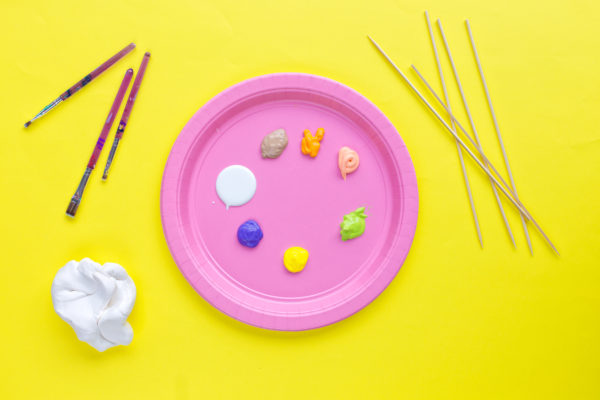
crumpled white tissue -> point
(96, 301)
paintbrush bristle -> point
(27, 124)
(73, 206)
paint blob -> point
(347, 161)
(236, 185)
(249, 233)
(310, 145)
(273, 144)
(353, 224)
(295, 259)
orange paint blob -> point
(311, 144)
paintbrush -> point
(76, 199)
(83, 82)
(126, 112)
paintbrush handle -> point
(110, 119)
(76, 199)
(126, 113)
(88, 78)
(133, 95)
(84, 81)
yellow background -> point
(457, 322)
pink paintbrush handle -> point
(106, 65)
(110, 119)
(132, 95)
(80, 84)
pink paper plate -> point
(299, 201)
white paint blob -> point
(236, 185)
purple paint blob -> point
(249, 233)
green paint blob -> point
(353, 224)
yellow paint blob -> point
(295, 259)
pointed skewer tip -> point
(374, 42)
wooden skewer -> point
(460, 155)
(460, 141)
(471, 140)
(483, 156)
(489, 101)
(472, 123)
(464, 131)
(485, 169)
